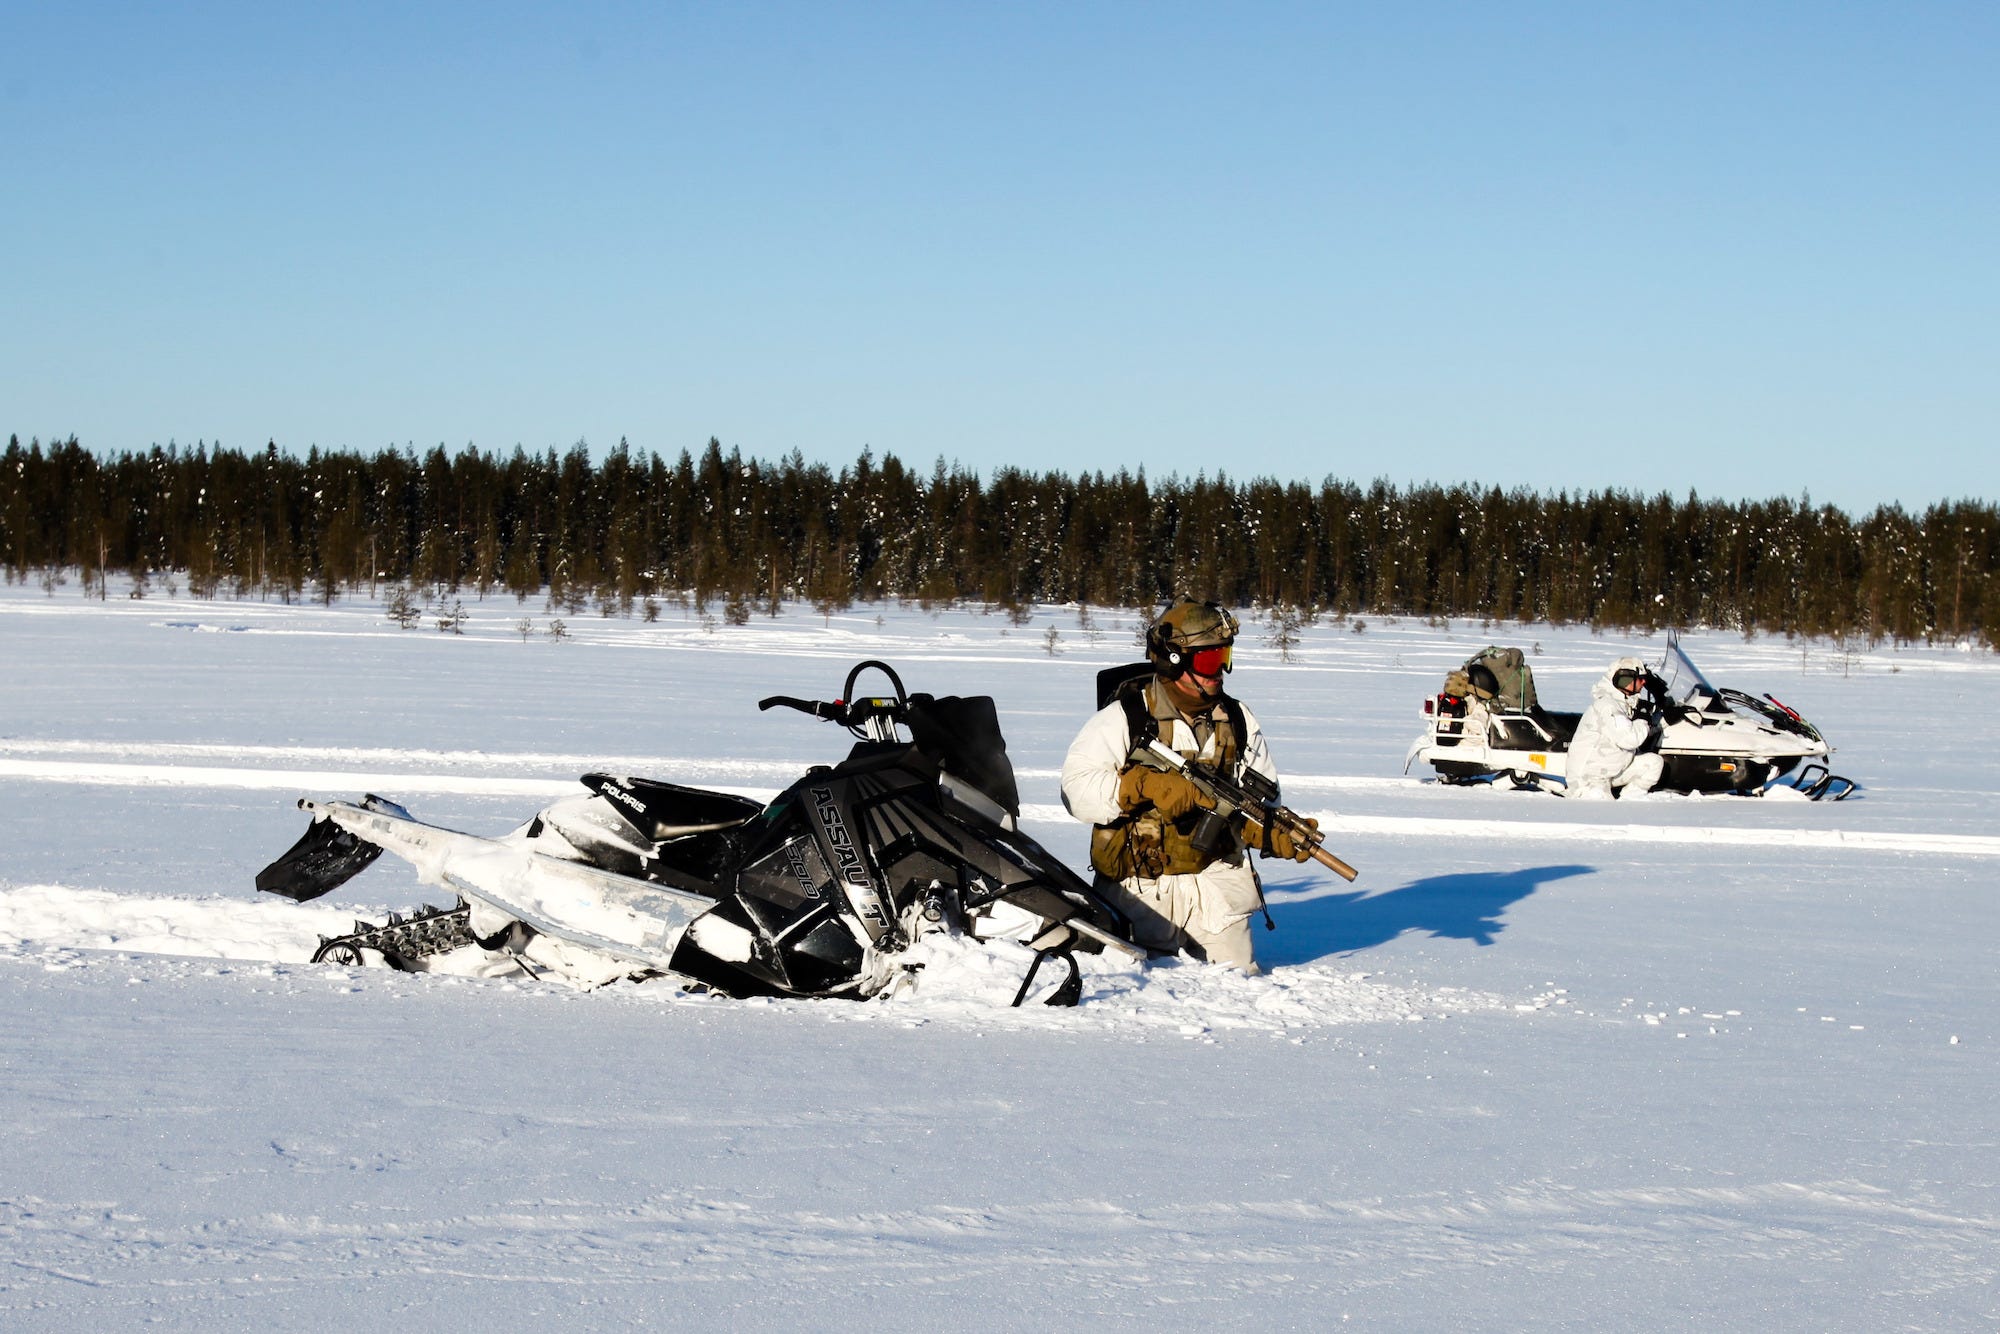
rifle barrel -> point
(1334, 864)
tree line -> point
(629, 530)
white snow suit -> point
(1604, 755)
(1209, 908)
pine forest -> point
(626, 532)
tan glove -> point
(1281, 843)
(1170, 794)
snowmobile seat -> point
(1533, 730)
(663, 811)
(1561, 725)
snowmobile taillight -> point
(1428, 702)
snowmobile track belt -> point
(402, 941)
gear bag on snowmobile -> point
(1514, 678)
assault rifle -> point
(1248, 808)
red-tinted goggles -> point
(1209, 661)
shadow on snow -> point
(1465, 906)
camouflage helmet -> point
(1184, 627)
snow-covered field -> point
(1692, 1064)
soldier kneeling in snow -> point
(1608, 756)
(1145, 847)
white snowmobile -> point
(1486, 725)
(818, 893)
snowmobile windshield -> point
(1684, 680)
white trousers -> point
(1206, 913)
(1642, 774)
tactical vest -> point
(1142, 844)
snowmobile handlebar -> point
(848, 713)
(832, 711)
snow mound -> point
(948, 979)
(64, 917)
(975, 981)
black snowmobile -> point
(817, 893)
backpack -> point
(1516, 680)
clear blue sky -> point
(1745, 250)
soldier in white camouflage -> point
(1181, 889)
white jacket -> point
(1607, 736)
(1097, 756)
(1210, 906)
